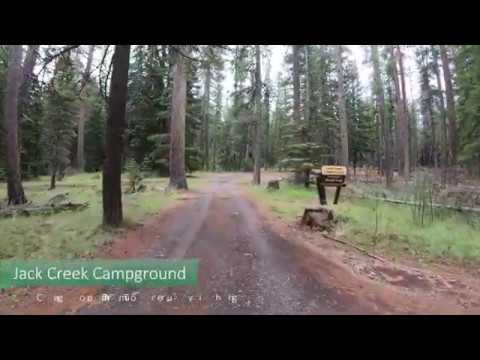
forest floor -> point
(254, 260)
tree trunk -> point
(342, 109)
(452, 120)
(28, 67)
(15, 191)
(267, 154)
(178, 178)
(393, 126)
(258, 118)
(380, 95)
(427, 112)
(443, 118)
(112, 168)
(307, 86)
(27, 79)
(53, 176)
(206, 107)
(414, 139)
(296, 83)
(296, 101)
(405, 133)
(267, 157)
(378, 149)
(83, 112)
(402, 150)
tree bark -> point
(414, 138)
(206, 107)
(178, 178)
(299, 177)
(380, 95)
(53, 176)
(28, 67)
(405, 133)
(402, 149)
(427, 112)
(267, 157)
(258, 118)
(342, 109)
(112, 168)
(307, 86)
(394, 127)
(451, 114)
(83, 112)
(443, 118)
(15, 190)
(296, 83)
(217, 119)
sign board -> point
(334, 170)
(333, 175)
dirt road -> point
(249, 263)
(245, 268)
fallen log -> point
(411, 203)
(355, 247)
(41, 210)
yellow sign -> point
(334, 170)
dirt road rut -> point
(244, 266)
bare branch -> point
(183, 54)
(108, 74)
(100, 67)
(50, 58)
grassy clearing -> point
(385, 226)
(77, 234)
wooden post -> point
(337, 195)
(321, 191)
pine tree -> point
(59, 122)
(451, 112)
(468, 80)
(378, 86)
(258, 127)
(94, 133)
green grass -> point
(289, 202)
(76, 234)
(387, 227)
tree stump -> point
(273, 185)
(321, 218)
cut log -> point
(321, 218)
(273, 185)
